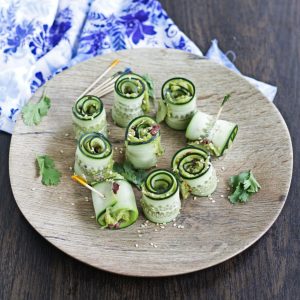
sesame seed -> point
(92, 217)
(222, 196)
(72, 203)
(194, 198)
(147, 221)
(140, 235)
(61, 151)
(151, 244)
(210, 198)
(116, 148)
(222, 168)
(139, 231)
(228, 189)
(70, 168)
(155, 229)
(155, 246)
(67, 134)
(162, 227)
(174, 220)
(213, 201)
(60, 198)
(33, 189)
(174, 224)
(182, 227)
(136, 245)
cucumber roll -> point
(118, 209)
(196, 173)
(93, 158)
(142, 142)
(178, 95)
(131, 98)
(160, 200)
(89, 116)
(216, 136)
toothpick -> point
(113, 64)
(84, 183)
(226, 98)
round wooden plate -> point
(214, 230)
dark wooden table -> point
(265, 35)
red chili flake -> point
(155, 129)
(115, 187)
(117, 226)
(205, 141)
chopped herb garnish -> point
(243, 186)
(130, 173)
(33, 113)
(50, 175)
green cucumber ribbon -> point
(178, 103)
(89, 116)
(143, 142)
(215, 136)
(118, 209)
(195, 171)
(160, 200)
(93, 157)
(132, 93)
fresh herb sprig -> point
(33, 113)
(50, 175)
(243, 186)
(131, 174)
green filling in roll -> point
(142, 142)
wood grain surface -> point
(63, 217)
(265, 39)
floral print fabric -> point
(39, 39)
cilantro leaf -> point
(33, 113)
(50, 175)
(131, 174)
(243, 185)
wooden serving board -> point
(214, 230)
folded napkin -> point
(39, 39)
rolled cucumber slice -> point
(142, 142)
(179, 97)
(89, 116)
(93, 157)
(131, 98)
(160, 200)
(196, 173)
(215, 136)
(118, 209)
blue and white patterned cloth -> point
(40, 38)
